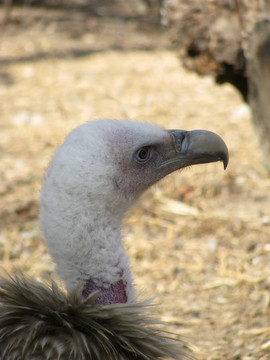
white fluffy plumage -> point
(87, 190)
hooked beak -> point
(196, 147)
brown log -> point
(259, 83)
(229, 39)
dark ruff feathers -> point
(35, 318)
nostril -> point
(184, 142)
(180, 139)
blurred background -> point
(199, 241)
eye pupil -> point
(143, 154)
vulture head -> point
(94, 178)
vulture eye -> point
(143, 154)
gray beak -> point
(197, 147)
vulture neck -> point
(108, 269)
(87, 248)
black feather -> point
(43, 322)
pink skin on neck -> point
(114, 294)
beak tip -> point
(224, 157)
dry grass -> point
(208, 262)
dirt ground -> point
(199, 241)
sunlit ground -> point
(199, 241)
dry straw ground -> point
(200, 239)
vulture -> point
(95, 176)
